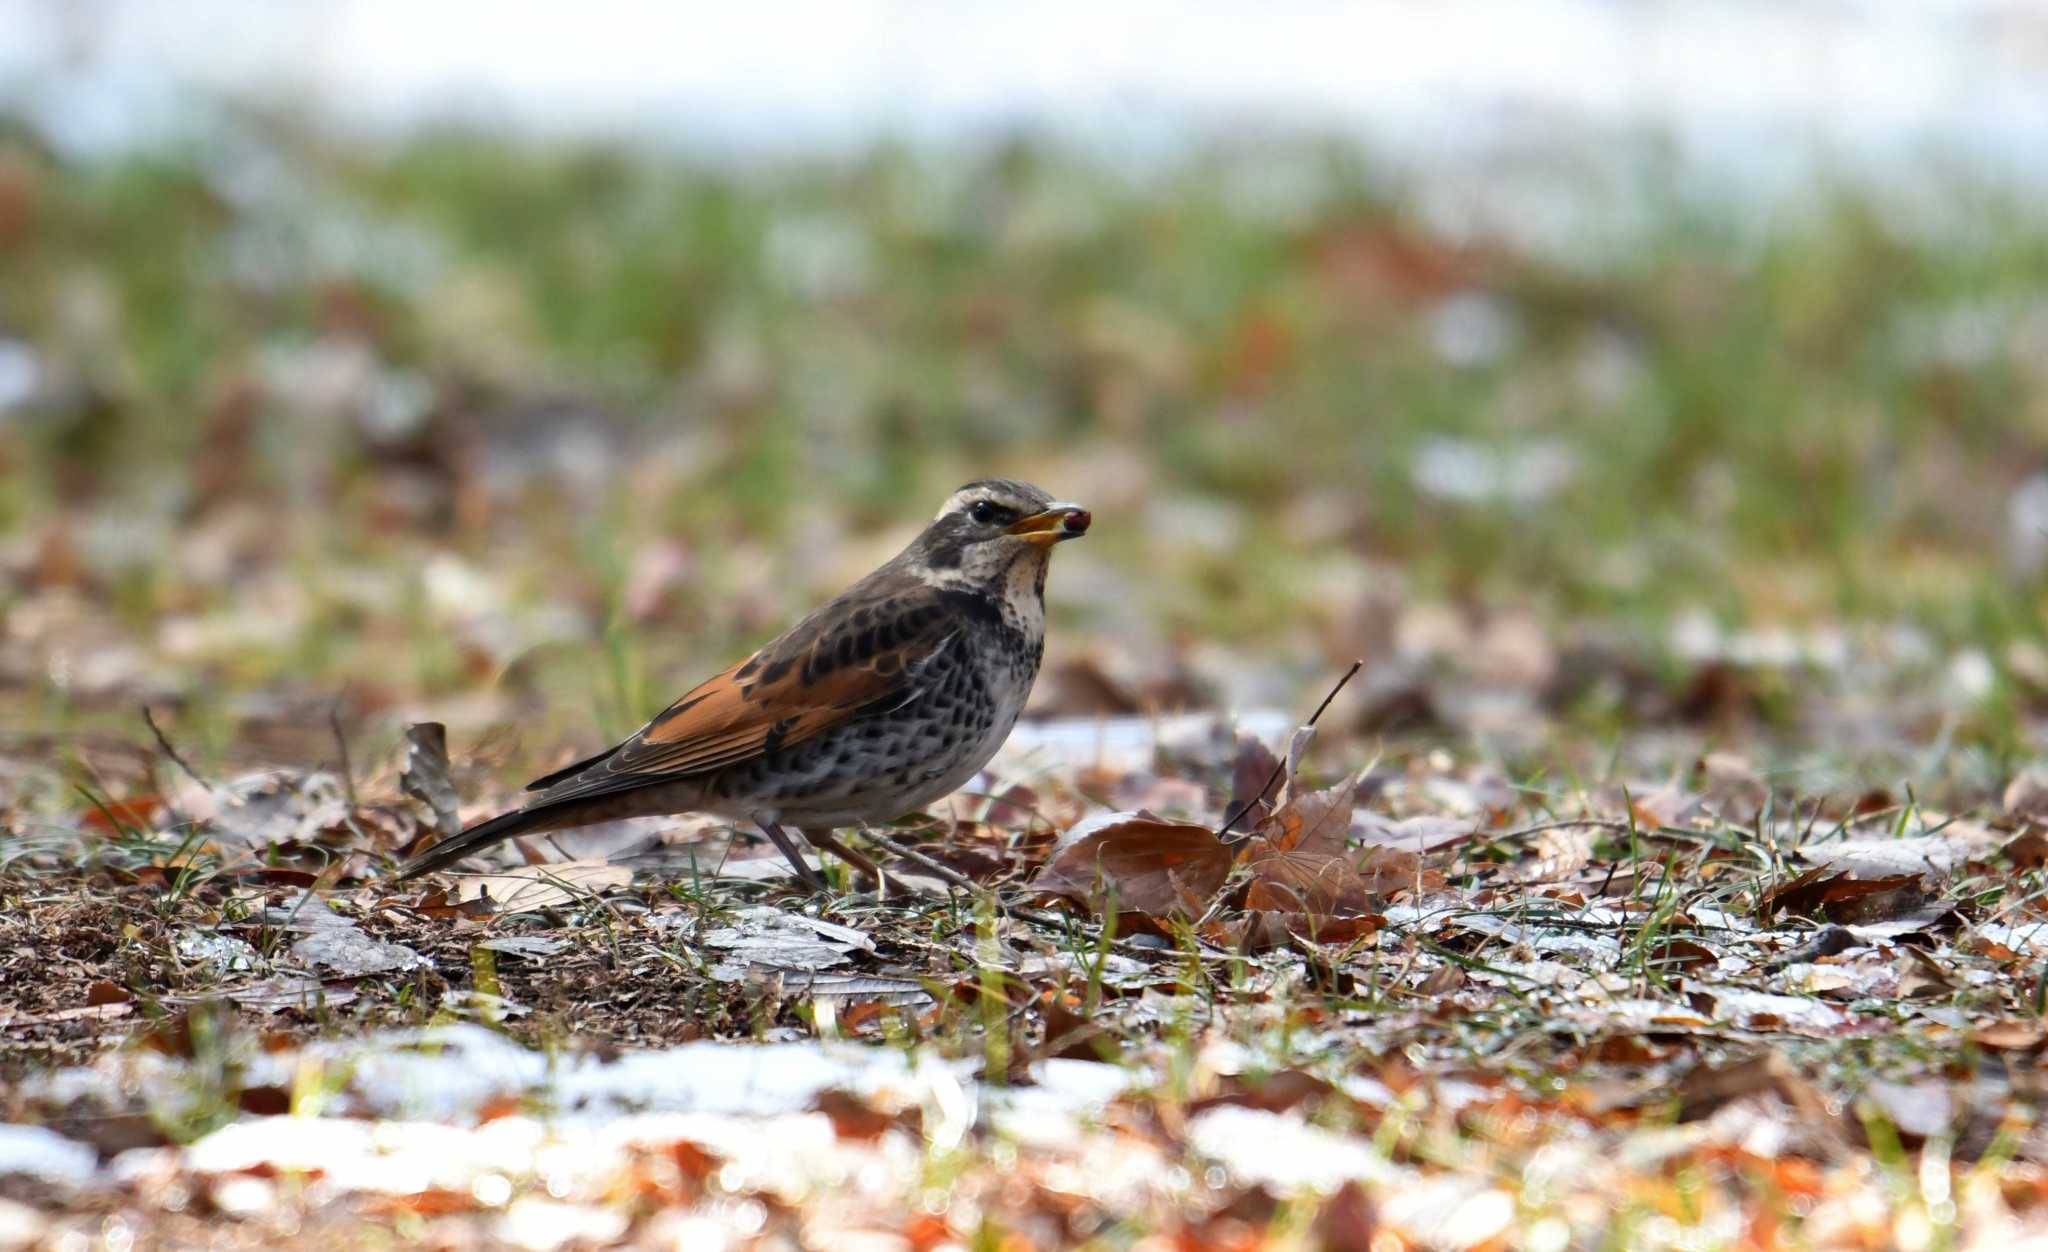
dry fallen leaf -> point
(1708, 1087)
(763, 938)
(1822, 888)
(1258, 930)
(2027, 1035)
(1317, 883)
(1424, 833)
(2027, 794)
(1151, 865)
(531, 887)
(426, 774)
(1560, 854)
(1668, 805)
(1255, 782)
(1300, 861)
(349, 952)
(1948, 847)
(2029, 848)
(273, 807)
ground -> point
(1669, 873)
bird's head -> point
(992, 531)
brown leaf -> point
(1349, 1220)
(288, 991)
(1259, 930)
(112, 817)
(500, 1106)
(1796, 895)
(1150, 865)
(1923, 977)
(2029, 848)
(426, 777)
(1315, 883)
(426, 1202)
(1282, 1091)
(1072, 1036)
(435, 904)
(1441, 981)
(1709, 1087)
(1678, 952)
(112, 1133)
(268, 1100)
(1300, 860)
(694, 1160)
(1389, 871)
(852, 1116)
(1314, 822)
(2027, 794)
(1255, 783)
(1666, 806)
(84, 1012)
(1821, 887)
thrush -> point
(892, 695)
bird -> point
(891, 695)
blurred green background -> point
(519, 432)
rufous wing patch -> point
(795, 688)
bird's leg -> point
(804, 873)
(824, 838)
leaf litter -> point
(1396, 953)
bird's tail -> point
(478, 837)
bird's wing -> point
(868, 651)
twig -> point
(1223, 832)
(163, 744)
(1523, 832)
(348, 772)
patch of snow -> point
(1282, 1151)
(2025, 937)
(45, 1155)
(1760, 1010)
(21, 375)
(1125, 743)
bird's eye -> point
(984, 512)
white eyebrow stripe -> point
(959, 500)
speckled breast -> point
(884, 764)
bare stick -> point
(163, 744)
(348, 773)
(1223, 832)
(1523, 832)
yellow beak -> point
(1053, 523)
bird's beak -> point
(1053, 523)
